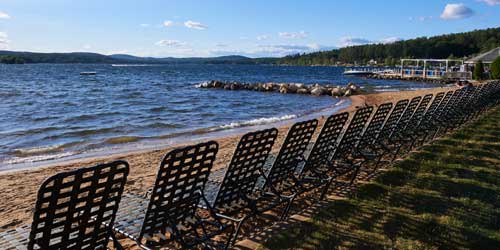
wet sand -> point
(18, 188)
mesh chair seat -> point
(130, 215)
(15, 239)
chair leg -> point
(287, 208)
(354, 175)
(325, 189)
(236, 231)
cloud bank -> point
(293, 35)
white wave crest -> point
(36, 158)
(258, 121)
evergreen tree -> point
(495, 69)
(478, 73)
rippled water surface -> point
(50, 111)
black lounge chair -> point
(395, 138)
(418, 136)
(366, 147)
(433, 122)
(405, 138)
(282, 178)
(343, 161)
(447, 113)
(73, 211)
(171, 215)
(318, 166)
(379, 148)
(239, 197)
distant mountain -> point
(84, 57)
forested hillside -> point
(457, 45)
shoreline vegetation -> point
(452, 46)
(18, 187)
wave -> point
(36, 158)
(131, 65)
(258, 121)
(26, 152)
(123, 139)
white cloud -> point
(293, 35)
(195, 25)
(353, 41)
(4, 15)
(389, 40)
(168, 23)
(87, 46)
(145, 25)
(454, 11)
(170, 43)
(263, 37)
(4, 42)
(420, 18)
(491, 2)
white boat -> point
(353, 72)
(88, 73)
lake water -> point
(50, 111)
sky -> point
(205, 28)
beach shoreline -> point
(18, 187)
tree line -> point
(458, 45)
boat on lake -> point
(357, 72)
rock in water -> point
(303, 91)
(283, 89)
(318, 91)
(337, 91)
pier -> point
(425, 70)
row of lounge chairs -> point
(86, 208)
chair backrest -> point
(452, 105)
(407, 114)
(443, 105)
(392, 121)
(245, 167)
(179, 184)
(434, 105)
(353, 133)
(290, 154)
(326, 141)
(417, 116)
(375, 125)
(76, 209)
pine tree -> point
(478, 73)
(495, 69)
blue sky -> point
(184, 28)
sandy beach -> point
(18, 188)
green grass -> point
(444, 197)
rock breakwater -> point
(287, 88)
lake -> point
(50, 111)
